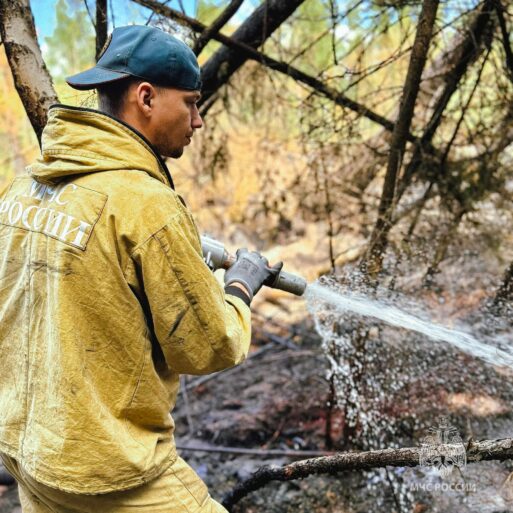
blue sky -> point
(125, 12)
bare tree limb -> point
(31, 77)
(89, 13)
(216, 26)
(250, 53)
(499, 9)
(373, 260)
(470, 49)
(101, 26)
(486, 450)
(434, 82)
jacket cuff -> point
(235, 291)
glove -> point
(252, 270)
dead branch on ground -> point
(485, 450)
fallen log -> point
(500, 450)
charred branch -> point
(470, 49)
(486, 450)
(216, 26)
(255, 30)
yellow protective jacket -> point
(104, 300)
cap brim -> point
(94, 77)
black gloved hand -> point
(252, 270)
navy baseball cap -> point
(142, 52)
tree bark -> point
(31, 77)
(504, 294)
(216, 26)
(486, 450)
(374, 258)
(101, 26)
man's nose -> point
(196, 121)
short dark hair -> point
(112, 95)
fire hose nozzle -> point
(217, 257)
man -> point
(105, 298)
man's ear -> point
(145, 95)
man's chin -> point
(173, 154)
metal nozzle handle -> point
(290, 283)
(217, 257)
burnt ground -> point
(277, 400)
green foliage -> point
(208, 10)
(311, 21)
(71, 47)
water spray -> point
(217, 257)
(321, 297)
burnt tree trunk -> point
(435, 78)
(504, 294)
(372, 263)
(31, 77)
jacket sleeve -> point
(200, 328)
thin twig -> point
(256, 452)
(90, 14)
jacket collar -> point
(79, 140)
